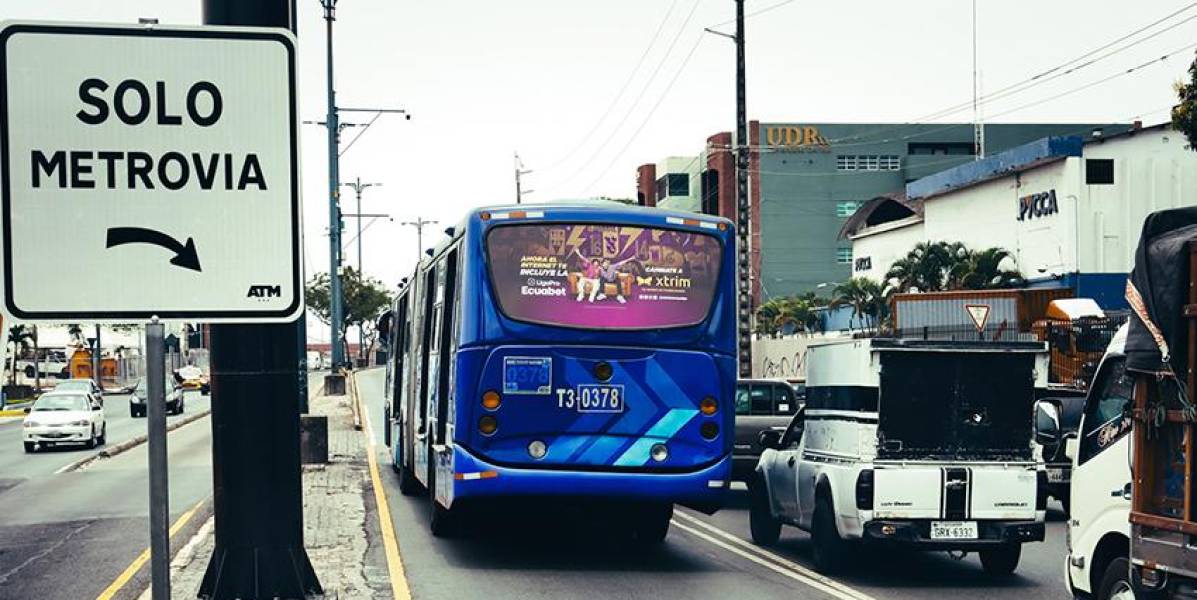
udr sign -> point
(149, 172)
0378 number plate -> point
(953, 530)
(592, 398)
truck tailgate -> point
(955, 492)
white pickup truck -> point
(909, 444)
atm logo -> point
(797, 138)
(263, 292)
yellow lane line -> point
(131, 570)
(390, 544)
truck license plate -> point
(1057, 476)
(953, 530)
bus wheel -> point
(652, 524)
(408, 484)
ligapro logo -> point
(264, 292)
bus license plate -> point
(592, 398)
(527, 375)
(953, 530)
(1057, 476)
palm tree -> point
(984, 270)
(865, 296)
(766, 317)
(19, 337)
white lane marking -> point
(742, 547)
(818, 585)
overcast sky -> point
(483, 79)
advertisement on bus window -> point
(603, 276)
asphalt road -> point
(69, 535)
(559, 553)
(16, 466)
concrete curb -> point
(129, 444)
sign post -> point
(155, 373)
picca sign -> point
(149, 171)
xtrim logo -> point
(264, 292)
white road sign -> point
(149, 171)
(979, 313)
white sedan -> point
(64, 418)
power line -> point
(1050, 74)
(754, 13)
(681, 68)
(635, 103)
(624, 88)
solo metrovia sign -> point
(149, 172)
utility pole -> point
(743, 202)
(334, 205)
(334, 382)
(419, 224)
(257, 503)
(358, 187)
(978, 126)
(520, 172)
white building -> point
(679, 183)
(1070, 209)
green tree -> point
(943, 266)
(867, 299)
(985, 270)
(1184, 114)
(366, 299)
(798, 313)
(926, 267)
(20, 337)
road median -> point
(131, 443)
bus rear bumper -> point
(703, 490)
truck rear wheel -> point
(1115, 582)
(1002, 560)
(766, 529)
(830, 550)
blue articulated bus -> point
(568, 351)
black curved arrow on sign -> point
(185, 255)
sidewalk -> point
(336, 518)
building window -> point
(673, 184)
(844, 210)
(1099, 171)
(843, 256)
(868, 162)
(940, 148)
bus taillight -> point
(491, 400)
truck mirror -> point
(1047, 423)
(383, 326)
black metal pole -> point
(743, 203)
(257, 482)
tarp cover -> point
(1161, 278)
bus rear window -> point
(603, 276)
